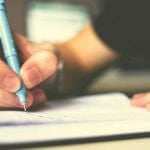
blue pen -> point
(9, 50)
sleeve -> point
(124, 25)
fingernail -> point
(31, 77)
(10, 83)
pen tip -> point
(24, 107)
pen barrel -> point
(6, 34)
(2, 1)
(9, 49)
(7, 41)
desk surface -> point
(137, 144)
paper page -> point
(89, 116)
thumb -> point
(38, 68)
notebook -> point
(79, 119)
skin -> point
(141, 100)
(83, 55)
(97, 55)
(39, 63)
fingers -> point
(35, 97)
(28, 48)
(141, 100)
(38, 96)
(23, 46)
(41, 61)
(39, 67)
(8, 79)
(9, 100)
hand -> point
(39, 63)
(141, 100)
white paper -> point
(91, 116)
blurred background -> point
(60, 20)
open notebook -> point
(91, 117)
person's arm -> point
(83, 55)
(124, 26)
(121, 26)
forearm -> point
(83, 55)
(86, 52)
